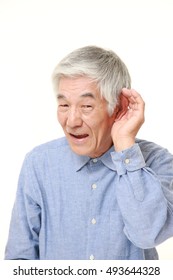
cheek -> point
(61, 119)
(99, 127)
(102, 128)
(91, 122)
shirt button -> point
(127, 160)
(92, 257)
(94, 160)
(93, 221)
(94, 186)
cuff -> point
(128, 160)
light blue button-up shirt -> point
(118, 206)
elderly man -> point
(99, 192)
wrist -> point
(123, 144)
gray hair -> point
(103, 67)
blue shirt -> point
(118, 206)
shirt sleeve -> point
(144, 191)
(25, 221)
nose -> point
(74, 118)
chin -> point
(80, 152)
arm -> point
(25, 222)
(144, 187)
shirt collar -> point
(80, 161)
(106, 159)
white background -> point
(36, 34)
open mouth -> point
(79, 136)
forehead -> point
(78, 87)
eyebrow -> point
(60, 96)
(87, 94)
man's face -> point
(83, 116)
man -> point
(99, 192)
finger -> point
(138, 101)
(133, 96)
(129, 93)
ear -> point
(122, 107)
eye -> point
(63, 107)
(87, 107)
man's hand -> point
(129, 119)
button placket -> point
(94, 178)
